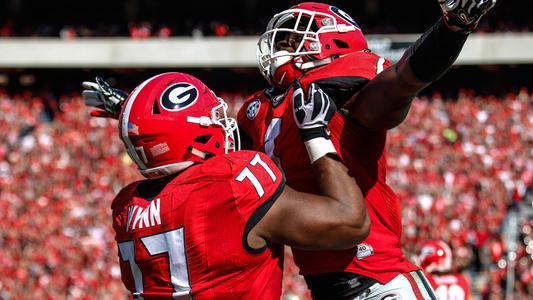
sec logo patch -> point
(253, 109)
(179, 96)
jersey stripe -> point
(414, 286)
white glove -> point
(464, 15)
(101, 95)
(312, 115)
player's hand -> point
(312, 113)
(464, 15)
(101, 95)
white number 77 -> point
(170, 242)
(246, 173)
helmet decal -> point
(169, 141)
(179, 96)
(344, 15)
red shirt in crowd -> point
(451, 286)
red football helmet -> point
(172, 121)
(436, 256)
(317, 32)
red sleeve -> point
(365, 65)
(249, 110)
(252, 119)
(257, 183)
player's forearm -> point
(337, 184)
(428, 59)
(385, 101)
(433, 53)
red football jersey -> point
(190, 239)
(268, 120)
(451, 287)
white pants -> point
(408, 286)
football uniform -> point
(268, 120)
(189, 238)
(451, 286)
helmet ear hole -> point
(203, 139)
(341, 44)
(155, 108)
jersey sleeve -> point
(252, 118)
(257, 183)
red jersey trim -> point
(414, 286)
(257, 215)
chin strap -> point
(166, 169)
(315, 63)
(203, 120)
(205, 155)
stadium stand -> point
(144, 18)
(59, 171)
(462, 162)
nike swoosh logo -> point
(282, 77)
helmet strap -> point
(205, 155)
(316, 63)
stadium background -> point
(461, 162)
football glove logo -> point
(179, 96)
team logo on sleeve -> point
(179, 96)
(253, 109)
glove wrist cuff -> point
(308, 134)
(318, 147)
(459, 27)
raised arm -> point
(335, 220)
(385, 101)
(107, 100)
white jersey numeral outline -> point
(170, 242)
(247, 174)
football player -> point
(436, 259)
(209, 221)
(320, 44)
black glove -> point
(101, 95)
(312, 114)
(464, 15)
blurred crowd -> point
(147, 29)
(459, 166)
(134, 30)
(146, 18)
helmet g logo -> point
(342, 14)
(179, 96)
